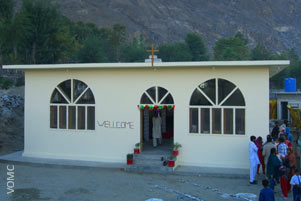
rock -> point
(11, 122)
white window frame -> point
(219, 106)
(76, 105)
(156, 102)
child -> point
(284, 182)
(296, 181)
(266, 194)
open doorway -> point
(156, 99)
(167, 129)
(284, 110)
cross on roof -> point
(152, 51)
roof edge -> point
(270, 63)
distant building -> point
(284, 97)
(283, 100)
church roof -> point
(275, 66)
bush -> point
(20, 81)
(6, 83)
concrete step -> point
(156, 163)
(167, 151)
(151, 161)
(154, 169)
(150, 156)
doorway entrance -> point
(167, 129)
(156, 100)
(284, 110)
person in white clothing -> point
(296, 182)
(157, 133)
(254, 160)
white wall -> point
(117, 94)
(292, 99)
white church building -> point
(99, 111)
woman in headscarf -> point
(291, 157)
(273, 167)
(258, 143)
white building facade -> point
(89, 111)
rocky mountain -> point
(275, 23)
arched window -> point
(156, 95)
(72, 106)
(217, 106)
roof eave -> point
(275, 66)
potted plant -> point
(171, 161)
(129, 159)
(137, 148)
(176, 147)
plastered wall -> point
(117, 93)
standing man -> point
(267, 149)
(253, 158)
(157, 133)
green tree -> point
(197, 47)
(92, 51)
(116, 39)
(178, 51)
(6, 83)
(6, 17)
(261, 53)
(134, 51)
(6, 10)
(230, 49)
(10, 34)
(81, 31)
(241, 37)
(44, 37)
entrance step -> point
(149, 161)
(151, 156)
(150, 169)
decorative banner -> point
(151, 107)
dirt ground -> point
(37, 183)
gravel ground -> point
(35, 183)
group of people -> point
(278, 161)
